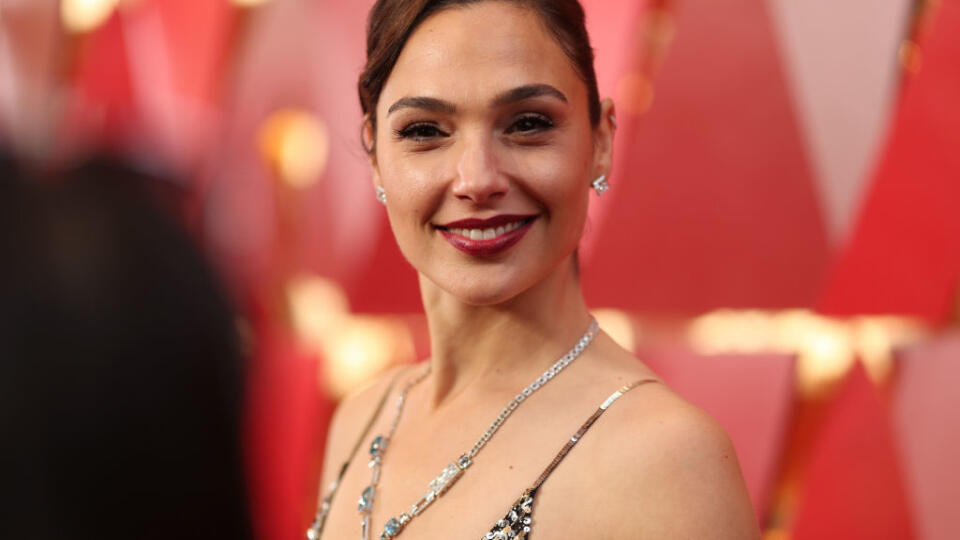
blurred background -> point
(781, 243)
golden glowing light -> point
(634, 93)
(296, 145)
(353, 348)
(824, 355)
(826, 348)
(876, 338)
(656, 39)
(910, 55)
(248, 3)
(317, 307)
(360, 348)
(776, 534)
(80, 16)
(725, 331)
(619, 326)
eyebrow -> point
(527, 92)
(510, 96)
(425, 103)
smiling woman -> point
(485, 132)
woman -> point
(486, 138)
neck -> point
(482, 348)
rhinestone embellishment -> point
(446, 478)
(516, 524)
(365, 505)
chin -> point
(480, 290)
(485, 294)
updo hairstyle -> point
(392, 22)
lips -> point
(487, 237)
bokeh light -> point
(361, 347)
(876, 338)
(619, 326)
(317, 306)
(910, 56)
(732, 331)
(826, 348)
(634, 93)
(354, 348)
(80, 16)
(248, 3)
(296, 144)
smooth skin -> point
(485, 115)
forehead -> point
(473, 52)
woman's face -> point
(486, 153)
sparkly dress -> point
(518, 522)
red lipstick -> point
(517, 226)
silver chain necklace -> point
(452, 472)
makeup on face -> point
(485, 149)
(487, 237)
(525, 115)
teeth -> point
(487, 234)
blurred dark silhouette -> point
(121, 378)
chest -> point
(507, 465)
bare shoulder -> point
(672, 470)
(351, 418)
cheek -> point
(559, 179)
(414, 192)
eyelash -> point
(415, 132)
(539, 121)
(422, 131)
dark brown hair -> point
(392, 22)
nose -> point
(479, 178)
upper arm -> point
(684, 480)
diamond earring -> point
(600, 184)
(381, 195)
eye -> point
(530, 123)
(419, 132)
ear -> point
(603, 139)
(369, 145)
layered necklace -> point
(452, 472)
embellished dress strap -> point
(370, 422)
(583, 429)
(323, 504)
(517, 524)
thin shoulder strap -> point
(323, 503)
(366, 431)
(583, 429)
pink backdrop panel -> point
(927, 418)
